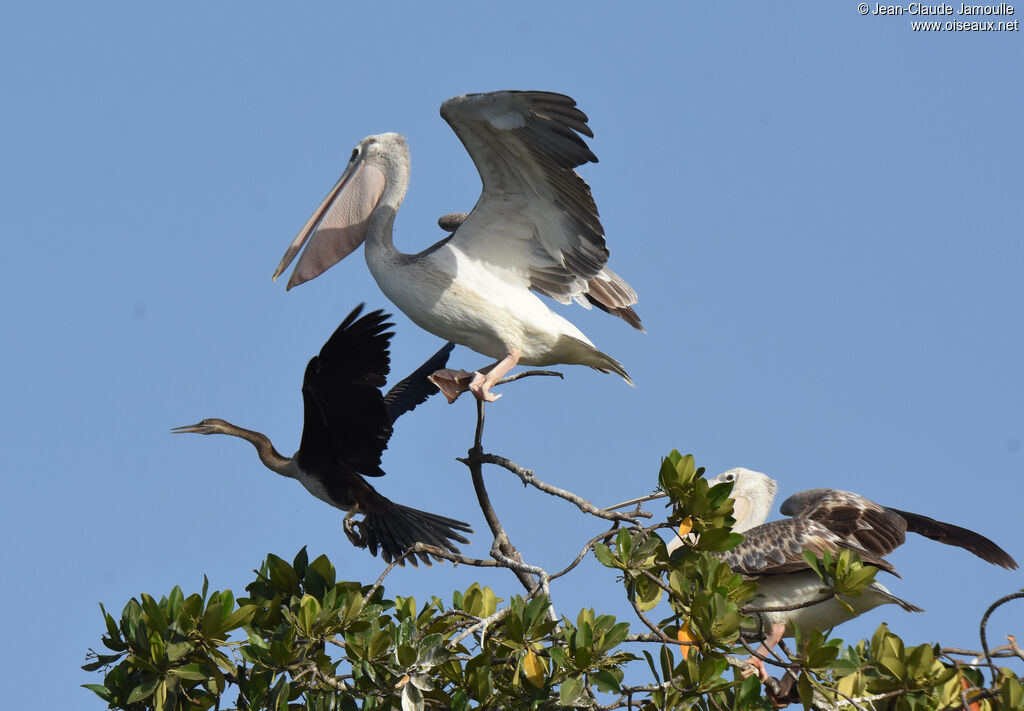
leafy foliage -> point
(302, 639)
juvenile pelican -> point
(535, 228)
(822, 520)
(346, 428)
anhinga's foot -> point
(452, 383)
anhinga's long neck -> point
(271, 458)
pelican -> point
(822, 520)
(346, 427)
(535, 228)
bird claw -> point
(353, 530)
(756, 665)
(452, 383)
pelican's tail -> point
(583, 353)
(887, 597)
(394, 529)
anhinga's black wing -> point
(415, 388)
(347, 426)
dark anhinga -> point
(347, 425)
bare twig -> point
(640, 500)
(984, 622)
(529, 479)
(528, 373)
(435, 551)
(753, 610)
(583, 553)
(1014, 647)
(481, 625)
(658, 632)
(501, 540)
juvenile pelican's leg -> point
(481, 385)
(451, 383)
(778, 629)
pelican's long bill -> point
(338, 225)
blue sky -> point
(820, 211)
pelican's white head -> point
(388, 152)
(752, 495)
(377, 172)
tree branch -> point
(528, 478)
(984, 622)
(501, 541)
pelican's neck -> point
(379, 242)
(757, 493)
(271, 458)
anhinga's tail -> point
(394, 529)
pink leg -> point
(481, 385)
(778, 629)
(452, 383)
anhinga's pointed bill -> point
(207, 426)
(338, 225)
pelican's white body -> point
(476, 304)
(794, 589)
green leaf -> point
(412, 698)
(606, 681)
(490, 602)
(300, 563)
(241, 616)
(160, 695)
(101, 691)
(156, 618)
(570, 691)
(558, 657)
(192, 672)
(806, 690)
(894, 666)
(1011, 693)
(604, 555)
(648, 594)
(143, 690)
(478, 678)
(719, 539)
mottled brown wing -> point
(851, 516)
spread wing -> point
(777, 547)
(881, 529)
(851, 516)
(536, 216)
(346, 421)
(416, 388)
